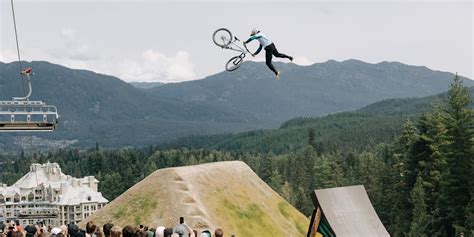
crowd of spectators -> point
(14, 229)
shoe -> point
(277, 76)
(291, 58)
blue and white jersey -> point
(262, 39)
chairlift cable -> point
(17, 47)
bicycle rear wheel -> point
(222, 37)
(234, 63)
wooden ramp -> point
(346, 211)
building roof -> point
(49, 177)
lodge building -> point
(47, 195)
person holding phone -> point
(183, 230)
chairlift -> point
(23, 115)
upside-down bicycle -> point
(223, 38)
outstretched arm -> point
(258, 50)
(191, 232)
(253, 37)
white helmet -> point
(254, 31)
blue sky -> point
(171, 41)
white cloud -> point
(149, 66)
(303, 61)
(154, 66)
(68, 33)
(8, 55)
(74, 48)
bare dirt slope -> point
(222, 194)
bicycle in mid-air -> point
(223, 38)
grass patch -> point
(138, 220)
(249, 219)
(119, 213)
(283, 208)
(300, 227)
(138, 209)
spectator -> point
(43, 233)
(190, 231)
(219, 233)
(149, 232)
(55, 231)
(80, 233)
(91, 229)
(10, 231)
(168, 232)
(17, 234)
(73, 230)
(183, 230)
(141, 233)
(115, 232)
(160, 231)
(31, 230)
(206, 233)
(63, 230)
(107, 228)
(128, 231)
(18, 226)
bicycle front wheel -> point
(222, 37)
(234, 63)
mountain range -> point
(359, 129)
(146, 85)
(97, 108)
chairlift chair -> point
(22, 115)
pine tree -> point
(309, 176)
(323, 173)
(265, 168)
(426, 160)
(419, 225)
(470, 218)
(371, 172)
(401, 214)
(276, 182)
(457, 179)
(391, 181)
(312, 138)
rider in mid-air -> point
(270, 50)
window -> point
(16, 198)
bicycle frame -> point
(235, 47)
